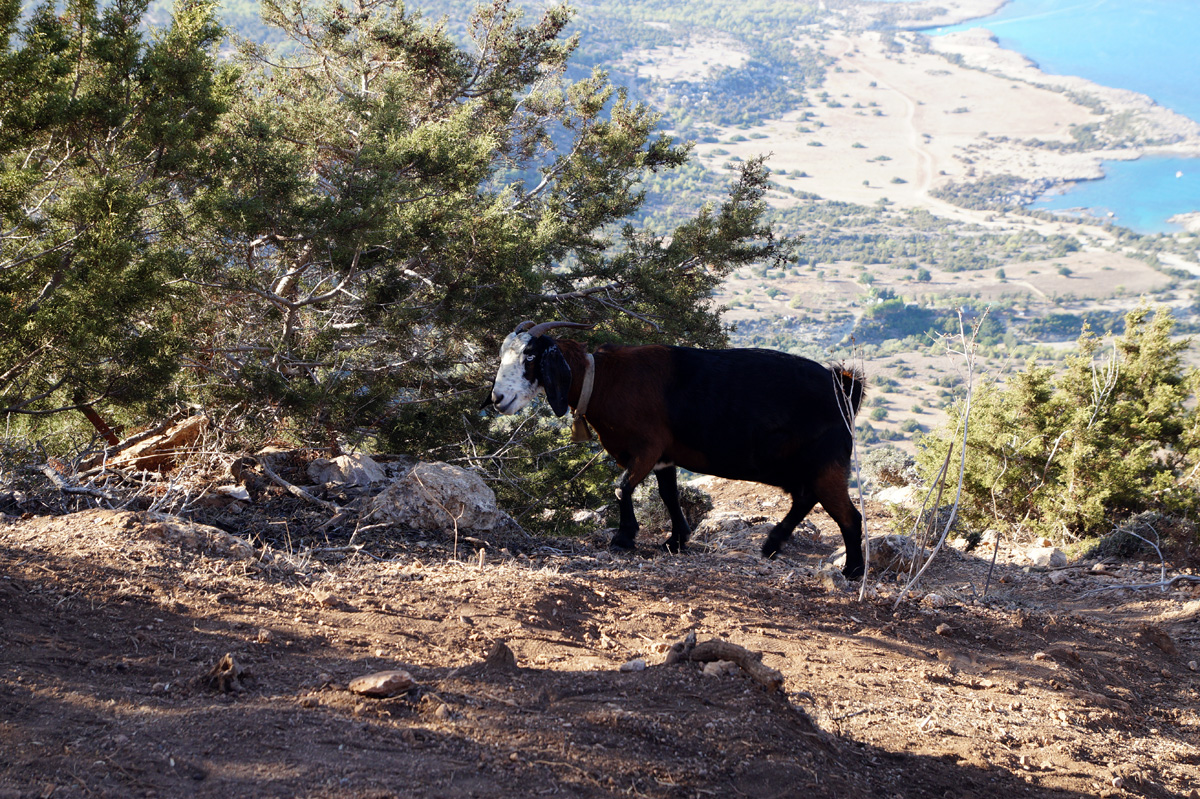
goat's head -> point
(529, 360)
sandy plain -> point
(897, 120)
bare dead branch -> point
(968, 355)
(296, 490)
(708, 651)
(65, 487)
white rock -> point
(1046, 557)
(637, 664)
(905, 496)
(895, 552)
(719, 668)
(1059, 577)
(587, 517)
(382, 684)
(354, 470)
(437, 496)
(233, 492)
(721, 523)
(934, 600)
(832, 579)
(194, 536)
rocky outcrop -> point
(437, 496)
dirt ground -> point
(110, 620)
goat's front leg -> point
(668, 489)
(627, 529)
(630, 479)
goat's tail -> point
(852, 382)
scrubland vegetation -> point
(306, 234)
(190, 227)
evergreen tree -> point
(390, 205)
(1070, 454)
(100, 133)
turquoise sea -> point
(1144, 45)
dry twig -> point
(968, 355)
(707, 651)
(65, 487)
(295, 490)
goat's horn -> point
(521, 328)
(538, 330)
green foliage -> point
(998, 192)
(1070, 454)
(652, 514)
(893, 318)
(879, 235)
(1066, 326)
(389, 204)
(102, 130)
(540, 478)
(888, 465)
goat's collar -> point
(579, 428)
(585, 393)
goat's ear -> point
(555, 377)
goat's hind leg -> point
(834, 496)
(668, 489)
(802, 502)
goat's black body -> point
(742, 414)
(756, 415)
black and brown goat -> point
(743, 414)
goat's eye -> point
(530, 357)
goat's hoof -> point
(622, 543)
(771, 548)
(674, 546)
(854, 572)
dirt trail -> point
(926, 160)
(106, 631)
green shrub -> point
(1071, 454)
(888, 465)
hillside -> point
(906, 170)
(218, 284)
(114, 627)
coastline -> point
(911, 16)
(979, 48)
(906, 116)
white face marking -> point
(511, 391)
